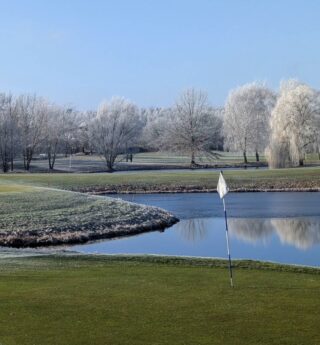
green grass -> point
(171, 158)
(250, 179)
(149, 160)
(101, 300)
(14, 188)
(164, 158)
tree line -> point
(284, 125)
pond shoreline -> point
(197, 190)
(34, 239)
(60, 217)
(172, 260)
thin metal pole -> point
(227, 238)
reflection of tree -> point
(300, 232)
(192, 229)
(250, 230)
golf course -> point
(71, 298)
(159, 172)
(35, 216)
(173, 181)
(151, 300)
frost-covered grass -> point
(173, 181)
(40, 216)
(129, 301)
(34, 215)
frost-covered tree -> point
(193, 127)
(8, 131)
(246, 119)
(316, 145)
(154, 129)
(61, 126)
(32, 117)
(116, 126)
(83, 119)
(294, 125)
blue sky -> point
(79, 52)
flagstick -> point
(227, 238)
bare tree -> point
(246, 121)
(61, 125)
(8, 131)
(82, 134)
(32, 116)
(294, 125)
(193, 127)
(4, 133)
(154, 130)
(316, 122)
(116, 126)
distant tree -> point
(193, 127)
(294, 124)
(32, 117)
(4, 133)
(246, 120)
(61, 126)
(155, 122)
(8, 131)
(317, 137)
(83, 139)
(116, 126)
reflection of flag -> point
(222, 187)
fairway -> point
(175, 181)
(117, 300)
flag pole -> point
(227, 238)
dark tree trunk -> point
(301, 162)
(193, 159)
(52, 160)
(5, 165)
(245, 159)
(4, 160)
(11, 150)
(52, 153)
(110, 159)
(257, 156)
(27, 158)
(109, 167)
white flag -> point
(222, 187)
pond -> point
(279, 227)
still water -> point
(279, 227)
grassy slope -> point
(95, 300)
(34, 216)
(197, 180)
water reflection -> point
(275, 239)
(251, 230)
(192, 230)
(302, 233)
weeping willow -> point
(293, 125)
